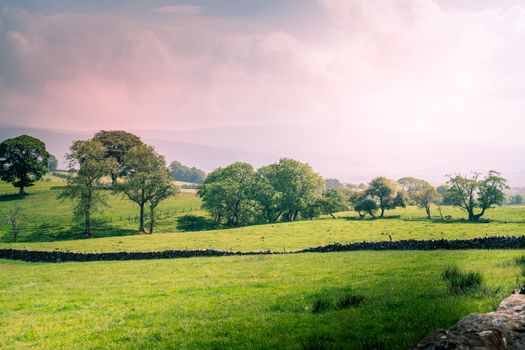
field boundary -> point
(501, 242)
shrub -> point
(460, 282)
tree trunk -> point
(114, 178)
(141, 219)
(87, 228)
(382, 213)
(21, 191)
(151, 219)
(332, 215)
(427, 209)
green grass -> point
(255, 302)
(284, 236)
(48, 226)
(49, 219)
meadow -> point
(47, 218)
(365, 300)
(48, 226)
(256, 302)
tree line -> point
(235, 195)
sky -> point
(441, 70)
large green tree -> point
(228, 194)
(117, 143)
(387, 193)
(296, 185)
(87, 165)
(421, 193)
(476, 193)
(23, 160)
(144, 170)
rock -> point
(503, 329)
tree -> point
(117, 144)
(387, 193)
(13, 219)
(84, 186)
(297, 186)
(145, 179)
(228, 194)
(23, 161)
(161, 189)
(474, 193)
(333, 201)
(181, 172)
(268, 198)
(363, 204)
(52, 163)
(442, 192)
(420, 192)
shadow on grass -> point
(11, 197)
(46, 232)
(195, 223)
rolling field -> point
(282, 236)
(49, 219)
(259, 302)
(47, 225)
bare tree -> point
(13, 218)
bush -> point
(461, 282)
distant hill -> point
(349, 154)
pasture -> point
(256, 302)
(301, 301)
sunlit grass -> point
(257, 302)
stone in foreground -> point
(500, 330)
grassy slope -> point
(48, 226)
(283, 236)
(49, 219)
(242, 302)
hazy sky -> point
(451, 69)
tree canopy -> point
(420, 192)
(146, 180)
(228, 194)
(83, 187)
(296, 185)
(471, 193)
(23, 160)
(388, 194)
(117, 144)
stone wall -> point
(476, 243)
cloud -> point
(178, 9)
(404, 65)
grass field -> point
(49, 219)
(243, 302)
(48, 225)
(263, 302)
(283, 236)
